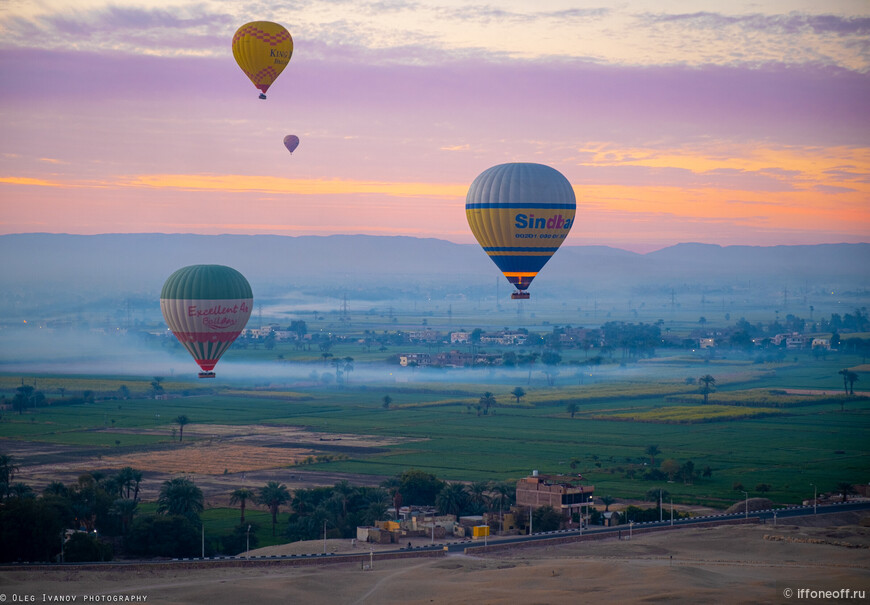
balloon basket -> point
(520, 295)
(206, 374)
(262, 96)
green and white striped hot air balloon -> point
(206, 307)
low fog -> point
(90, 304)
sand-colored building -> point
(563, 492)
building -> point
(415, 359)
(460, 337)
(563, 492)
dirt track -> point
(737, 564)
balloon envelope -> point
(291, 142)
(206, 307)
(262, 49)
(520, 214)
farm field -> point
(760, 436)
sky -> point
(723, 122)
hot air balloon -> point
(262, 49)
(206, 307)
(520, 214)
(291, 142)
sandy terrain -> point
(727, 564)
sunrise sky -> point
(746, 123)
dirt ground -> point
(726, 564)
(251, 456)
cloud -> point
(487, 13)
(791, 23)
(186, 29)
(833, 189)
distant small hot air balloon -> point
(262, 49)
(291, 142)
(206, 307)
(520, 214)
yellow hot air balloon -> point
(520, 214)
(262, 49)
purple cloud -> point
(791, 23)
(488, 13)
(125, 26)
(523, 100)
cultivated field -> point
(766, 425)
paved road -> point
(459, 546)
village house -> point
(564, 493)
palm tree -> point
(303, 501)
(849, 380)
(344, 490)
(387, 401)
(477, 494)
(452, 499)
(607, 501)
(530, 359)
(572, 408)
(652, 451)
(348, 368)
(56, 488)
(21, 490)
(519, 393)
(125, 509)
(274, 495)
(126, 480)
(487, 401)
(378, 505)
(137, 479)
(181, 421)
(7, 472)
(241, 496)
(846, 489)
(709, 383)
(338, 364)
(180, 496)
(502, 496)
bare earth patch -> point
(219, 458)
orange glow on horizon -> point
(241, 183)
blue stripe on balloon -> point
(518, 249)
(544, 205)
(520, 264)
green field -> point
(620, 411)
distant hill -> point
(137, 265)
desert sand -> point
(725, 564)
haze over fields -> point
(76, 269)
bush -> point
(237, 542)
(163, 536)
(82, 547)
